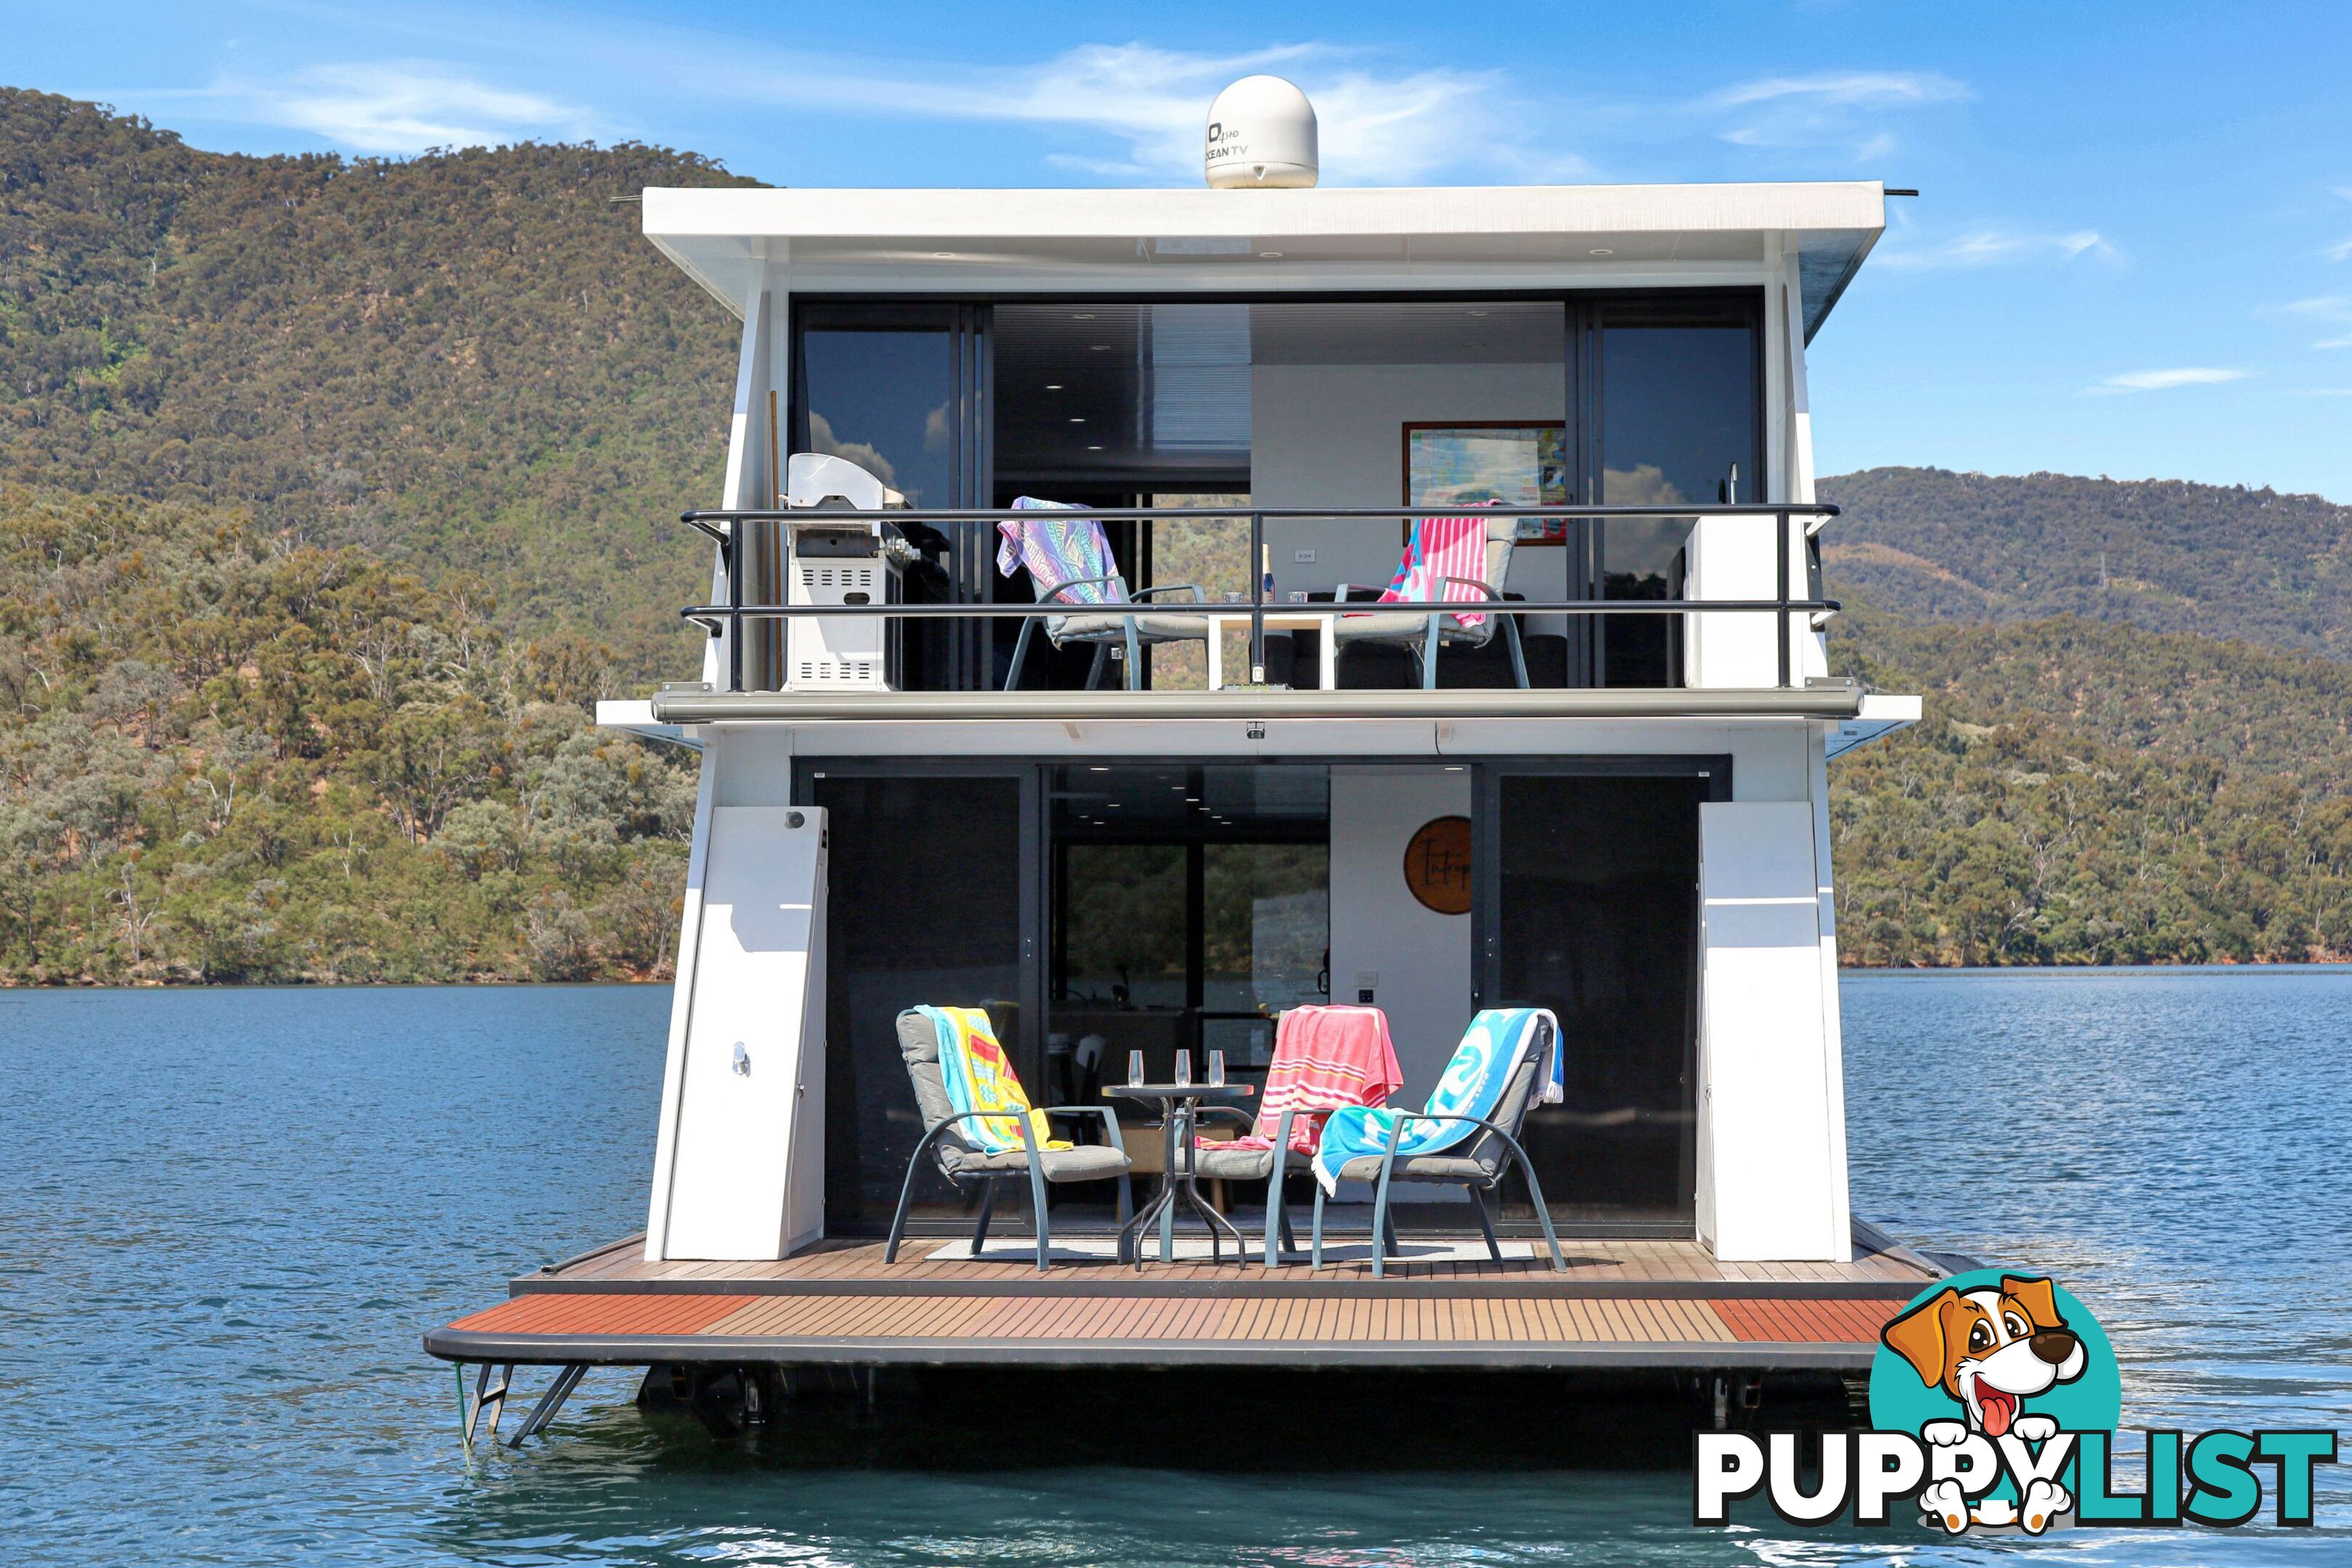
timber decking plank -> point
(1803, 1321)
(603, 1314)
(1620, 1261)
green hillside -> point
(334, 489)
(228, 756)
(2083, 792)
(2172, 557)
(468, 359)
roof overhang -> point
(1878, 716)
(1140, 242)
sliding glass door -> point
(1588, 890)
(933, 896)
(1671, 413)
(904, 392)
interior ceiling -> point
(1097, 392)
(1320, 332)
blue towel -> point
(1494, 1043)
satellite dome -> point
(1261, 137)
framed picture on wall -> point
(1508, 462)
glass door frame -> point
(1486, 920)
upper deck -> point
(1259, 395)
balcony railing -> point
(727, 620)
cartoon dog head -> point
(1990, 1350)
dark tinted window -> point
(1599, 923)
(1676, 417)
(924, 906)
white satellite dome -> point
(1261, 137)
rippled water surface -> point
(229, 1215)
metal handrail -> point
(720, 619)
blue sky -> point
(2133, 255)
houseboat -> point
(1267, 768)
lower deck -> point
(1620, 1304)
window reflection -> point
(1192, 905)
(883, 399)
(1677, 420)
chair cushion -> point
(1150, 628)
(1394, 626)
(1239, 1164)
(1417, 1168)
(918, 1043)
(1087, 1162)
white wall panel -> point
(1771, 1168)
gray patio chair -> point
(1105, 626)
(1424, 633)
(964, 1163)
(1479, 1166)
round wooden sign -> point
(1437, 864)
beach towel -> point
(1058, 549)
(1472, 1085)
(1441, 548)
(1324, 1059)
(979, 1077)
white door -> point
(746, 1161)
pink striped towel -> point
(1324, 1057)
(1441, 548)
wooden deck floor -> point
(1622, 1303)
(1614, 1266)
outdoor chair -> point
(1307, 1077)
(1478, 1165)
(1069, 562)
(1437, 565)
(964, 1164)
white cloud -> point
(1874, 89)
(1989, 244)
(403, 107)
(1372, 127)
(2326, 307)
(1836, 110)
(2342, 342)
(2166, 380)
(2340, 251)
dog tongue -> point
(2000, 1409)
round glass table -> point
(1178, 1102)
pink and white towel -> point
(1324, 1057)
(1441, 548)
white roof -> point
(1203, 241)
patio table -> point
(1181, 1103)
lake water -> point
(230, 1214)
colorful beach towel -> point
(1441, 548)
(979, 1077)
(1324, 1059)
(1472, 1085)
(1058, 549)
